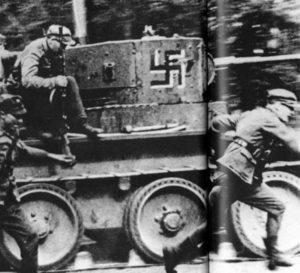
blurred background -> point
(254, 27)
(256, 34)
(234, 27)
(107, 20)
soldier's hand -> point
(61, 81)
(69, 160)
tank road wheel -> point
(163, 212)
(249, 223)
(54, 215)
(126, 213)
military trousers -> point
(44, 106)
(12, 220)
(259, 195)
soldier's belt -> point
(245, 144)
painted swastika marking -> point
(167, 69)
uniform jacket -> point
(9, 136)
(8, 189)
(40, 65)
(261, 128)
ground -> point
(236, 266)
(253, 266)
(240, 265)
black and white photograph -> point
(151, 136)
(104, 124)
(253, 129)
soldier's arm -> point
(285, 134)
(31, 151)
(223, 123)
(29, 71)
(40, 153)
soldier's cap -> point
(12, 104)
(62, 33)
(284, 96)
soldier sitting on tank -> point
(12, 218)
(43, 80)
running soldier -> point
(257, 132)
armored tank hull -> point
(139, 185)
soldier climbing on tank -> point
(12, 111)
(43, 80)
(12, 218)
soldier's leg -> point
(262, 197)
(218, 208)
(220, 199)
(197, 236)
(13, 222)
(75, 106)
(77, 111)
(39, 109)
(173, 255)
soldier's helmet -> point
(284, 96)
(10, 126)
(12, 104)
(11, 108)
(62, 34)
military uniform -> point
(12, 219)
(40, 68)
(257, 133)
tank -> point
(142, 183)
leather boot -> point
(85, 128)
(173, 255)
(275, 257)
